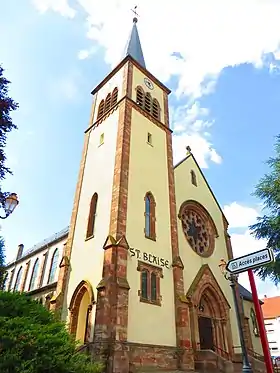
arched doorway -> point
(211, 316)
(80, 312)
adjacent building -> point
(136, 276)
(271, 314)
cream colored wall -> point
(138, 80)
(87, 256)
(115, 81)
(32, 259)
(256, 341)
(185, 190)
(81, 326)
(148, 172)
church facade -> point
(137, 275)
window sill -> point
(89, 238)
(150, 238)
(150, 144)
(148, 301)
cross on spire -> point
(135, 19)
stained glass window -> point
(18, 279)
(153, 287)
(34, 275)
(144, 284)
(53, 267)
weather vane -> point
(188, 149)
(135, 13)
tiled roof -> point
(271, 307)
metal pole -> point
(259, 316)
(246, 364)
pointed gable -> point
(187, 172)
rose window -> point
(198, 231)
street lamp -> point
(11, 202)
(232, 281)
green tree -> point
(2, 263)
(33, 340)
(268, 225)
(7, 106)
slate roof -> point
(245, 294)
(133, 47)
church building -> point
(136, 275)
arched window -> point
(193, 178)
(150, 218)
(34, 275)
(155, 109)
(144, 284)
(92, 215)
(100, 109)
(108, 102)
(140, 96)
(53, 267)
(148, 102)
(18, 279)
(114, 97)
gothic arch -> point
(207, 302)
(80, 311)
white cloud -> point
(208, 35)
(59, 6)
(85, 53)
(189, 123)
(240, 216)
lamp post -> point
(232, 282)
(11, 202)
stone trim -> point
(111, 317)
(227, 238)
(156, 357)
(43, 289)
(206, 289)
(120, 181)
(134, 62)
(165, 109)
(141, 267)
(74, 307)
(181, 311)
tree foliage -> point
(33, 340)
(2, 263)
(268, 226)
(7, 105)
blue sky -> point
(225, 101)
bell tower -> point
(121, 282)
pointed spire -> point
(133, 47)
